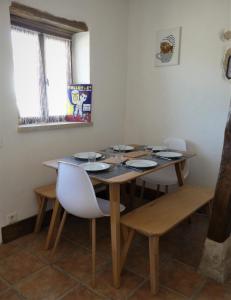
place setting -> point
(88, 156)
(130, 151)
(95, 166)
(168, 155)
(162, 152)
(92, 161)
(154, 148)
(140, 164)
(122, 148)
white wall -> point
(190, 100)
(22, 154)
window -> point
(42, 56)
(42, 71)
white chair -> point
(76, 194)
(167, 177)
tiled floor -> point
(29, 272)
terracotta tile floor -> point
(27, 271)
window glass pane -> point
(26, 56)
(56, 62)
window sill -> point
(49, 126)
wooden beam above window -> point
(31, 18)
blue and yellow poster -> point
(79, 103)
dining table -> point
(115, 177)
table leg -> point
(179, 174)
(54, 223)
(115, 231)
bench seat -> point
(158, 217)
(161, 215)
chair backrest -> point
(75, 192)
(176, 144)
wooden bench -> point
(43, 194)
(158, 217)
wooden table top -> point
(121, 173)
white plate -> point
(157, 148)
(84, 155)
(169, 154)
(123, 148)
(95, 166)
(141, 163)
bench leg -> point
(42, 202)
(126, 247)
(158, 190)
(154, 263)
(209, 207)
(166, 189)
(124, 233)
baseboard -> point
(13, 231)
(26, 226)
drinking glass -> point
(91, 157)
(120, 154)
(108, 153)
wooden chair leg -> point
(126, 247)
(124, 233)
(93, 245)
(154, 263)
(59, 232)
(132, 193)
(142, 190)
(42, 201)
(158, 189)
(166, 189)
(54, 223)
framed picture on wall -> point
(79, 103)
(168, 47)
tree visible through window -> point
(42, 71)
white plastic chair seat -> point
(104, 206)
(76, 194)
(168, 176)
(164, 177)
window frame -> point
(45, 24)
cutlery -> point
(162, 157)
(129, 167)
(133, 168)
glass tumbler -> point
(91, 157)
